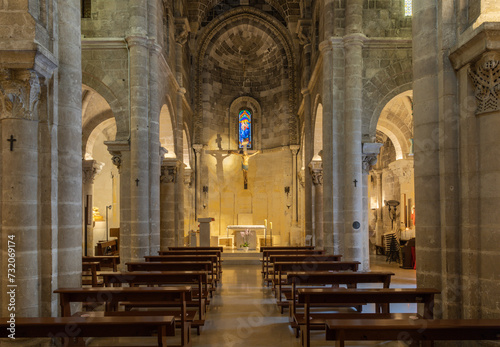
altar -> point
(252, 239)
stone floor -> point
(244, 313)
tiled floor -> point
(243, 311)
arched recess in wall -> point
(392, 177)
(167, 140)
(318, 132)
(101, 179)
(245, 103)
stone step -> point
(236, 257)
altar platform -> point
(236, 257)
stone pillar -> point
(308, 156)
(154, 147)
(379, 226)
(91, 168)
(198, 149)
(168, 180)
(69, 145)
(120, 156)
(353, 203)
(179, 184)
(426, 110)
(19, 96)
(139, 149)
(295, 150)
(316, 170)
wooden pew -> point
(196, 252)
(296, 258)
(176, 266)
(110, 261)
(196, 278)
(276, 248)
(282, 268)
(91, 269)
(69, 328)
(111, 297)
(329, 296)
(107, 247)
(176, 258)
(335, 279)
(221, 249)
(411, 330)
(267, 254)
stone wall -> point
(109, 18)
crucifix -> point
(355, 182)
(11, 140)
(244, 161)
(219, 156)
(137, 182)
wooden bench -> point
(111, 297)
(295, 258)
(335, 279)
(107, 247)
(282, 268)
(69, 328)
(196, 252)
(196, 248)
(110, 261)
(267, 254)
(328, 296)
(276, 248)
(196, 278)
(176, 258)
(176, 266)
(90, 269)
(411, 331)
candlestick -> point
(265, 222)
(271, 223)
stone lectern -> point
(205, 231)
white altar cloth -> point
(253, 241)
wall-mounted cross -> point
(355, 182)
(137, 182)
(11, 140)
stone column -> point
(139, 149)
(308, 156)
(198, 149)
(179, 184)
(353, 204)
(316, 170)
(19, 96)
(379, 226)
(168, 180)
(154, 147)
(120, 156)
(426, 110)
(295, 150)
(69, 146)
(91, 168)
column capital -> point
(304, 31)
(181, 91)
(294, 149)
(487, 85)
(198, 148)
(115, 148)
(370, 151)
(136, 40)
(188, 176)
(91, 168)
(169, 170)
(182, 30)
(316, 169)
(19, 94)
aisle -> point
(244, 313)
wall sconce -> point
(287, 191)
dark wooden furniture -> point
(267, 254)
(196, 252)
(196, 248)
(270, 248)
(328, 296)
(90, 269)
(69, 328)
(176, 258)
(411, 330)
(110, 261)
(111, 297)
(107, 247)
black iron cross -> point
(11, 140)
(355, 182)
(219, 141)
(137, 182)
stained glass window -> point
(245, 128)
(408, 10)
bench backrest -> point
(316, 266)
(221, 249)
(171, 266)
(338, 278)
(304, 257)
(270, 248)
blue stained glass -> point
(408, 10)
(245, 128)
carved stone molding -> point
(115, 148)
(168, 174)
(304, 31)
(370, 156)
(181, 30)
(302, 177)
(188, 177)
(486, 78)
(19, 94)
(294, 149)
(116, 159)
(90, 169)
(316, 169)
(198, 148)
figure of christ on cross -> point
(244, 161)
